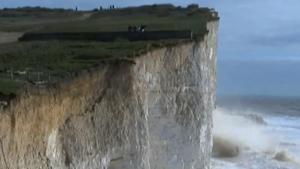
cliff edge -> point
(153, 113)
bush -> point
(193, 7)
(95, 10)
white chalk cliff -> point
(155, 113)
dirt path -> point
(85, 16)
(8, 37)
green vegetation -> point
(9, 86)
(155, 18)
(44, 62)
(28, 61)
(30, 19)
(65, 56)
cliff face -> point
(154, 114)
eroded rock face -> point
(155, 114)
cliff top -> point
(156, 17)
(47, 62)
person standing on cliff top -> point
(142, 28)
(129, 28)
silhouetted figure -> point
(100, 8)
(129, 28)
(142, 28)
(76, 8)
(134, 29)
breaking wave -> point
(256, 119)
(240, 131)
(283, 156)
(235, 134)
(223, 148)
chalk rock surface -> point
(153, 113)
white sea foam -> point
(241, 131)
(236, 135)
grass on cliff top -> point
(54, 60)
(61, 59)
(9, 86)
(30, 19)
(156, 17)
(66, 56)
(103, 21)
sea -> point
(256, 132)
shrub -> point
(193, 7)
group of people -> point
(112, 7)
(133, 28)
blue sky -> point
(259, 41)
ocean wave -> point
(224, 148)
(283, 156)
(287, 156)
(243, 131)
(238, 135)
(256, 119)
